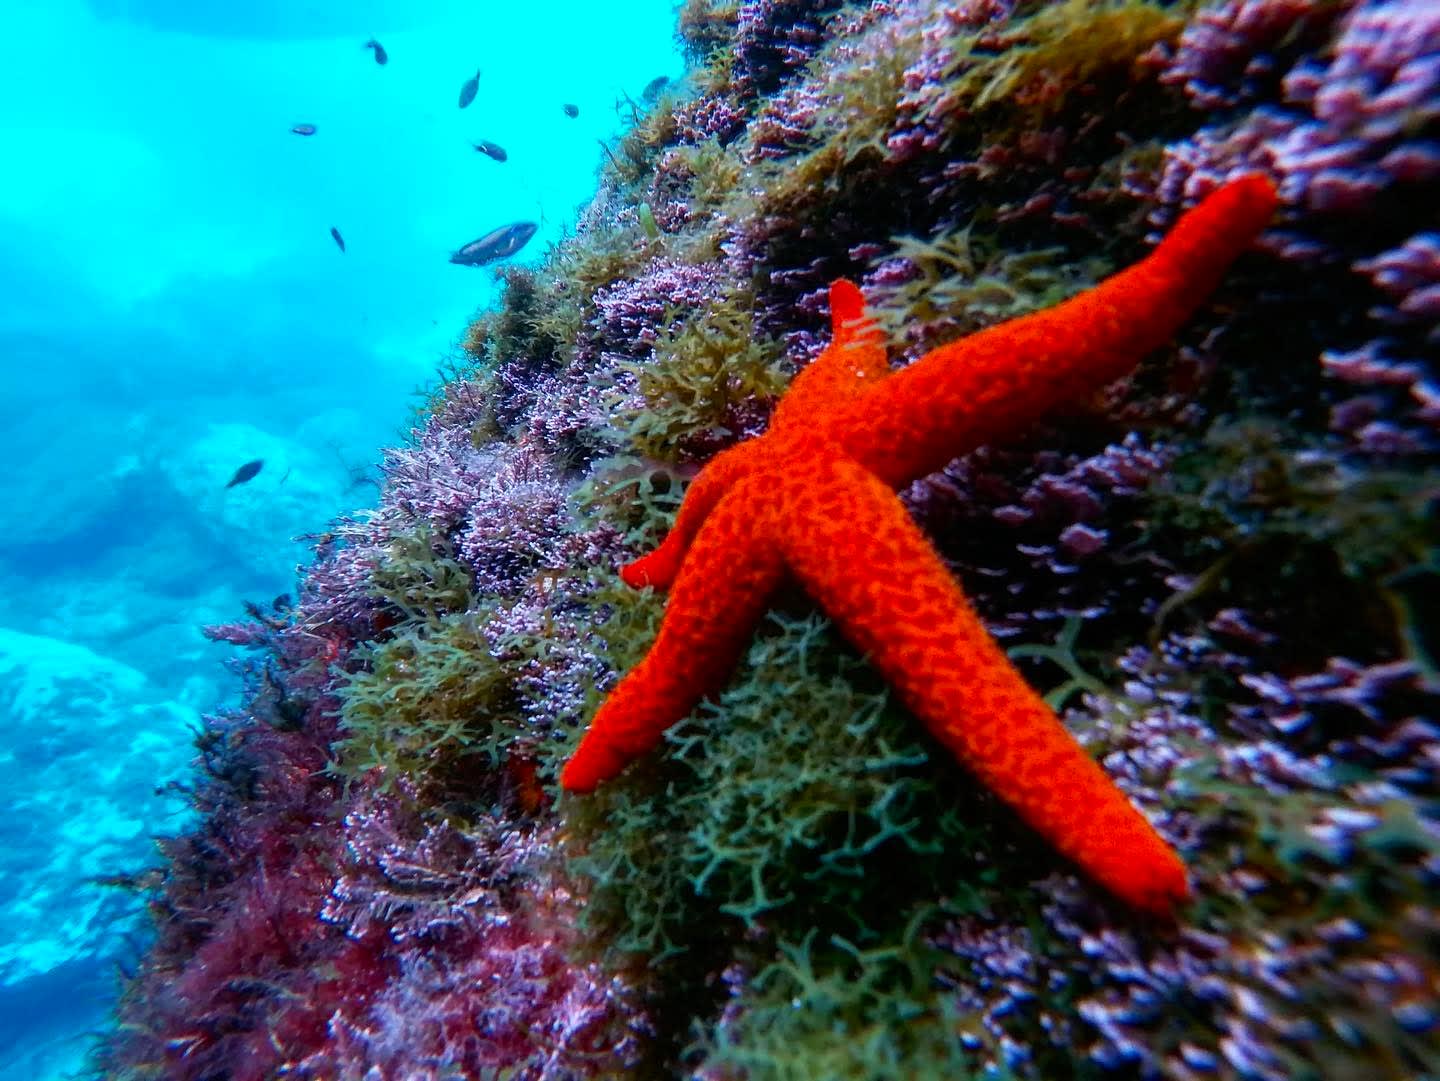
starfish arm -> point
(854, 359)
(730, 573)
(997, 382)
(659, 568)
(865, 561)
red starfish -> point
(814, 497)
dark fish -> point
(467, 92)
(304, 129)
(492, 150)
(380, 54)
(572, 111)
(654, 87)
(340, 240)
(246, 472)
(496, 244)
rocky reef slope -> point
(1221, 572)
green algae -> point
(712, 175)
(1257, 478)
(1055, 59)
(1259, 504)
(510, 331)
(698, 375)
(799, 813)
(1065, 47)
(834, 1010)
(640, 496)
(862, 102)
(423, 700)
(707, 28)
(965, 281)
(1061, 653)
(419, 576)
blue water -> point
(172, 306)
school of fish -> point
(499, 243)
(506, 240)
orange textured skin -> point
(814, 498)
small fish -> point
(339, 240)
(304, 129)
(572, 111)
(246, 472)
(380, 54)
(467, 92)
(492, 150)
(654, 87)
(496, 244)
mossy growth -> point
(542, 313)
(1279, 521)
(1255, 477)
(966, 281)
(862, 98)
(651, 131)
(639, 496)
(697, 376)
(423, 700)
(802, 807)
(833, 1010)
(1058, 57)
(419, 576)
(714, 174)
(1074, 55)
(631, 159)
(598, 258)
(509, 332)
(707, 28)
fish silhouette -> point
(304, 129)
(492, 150)
(467, 92)
(496, 244)
(572, 111)
(339, 240)
(381, 56)
(246, 472)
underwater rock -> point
(1217, 572)
(75, 816)
(251, 522)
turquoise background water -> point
(171, 306)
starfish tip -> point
(847, 303)
(648, 570)
(1156, 886)
(1247, 202)
(578, 778)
